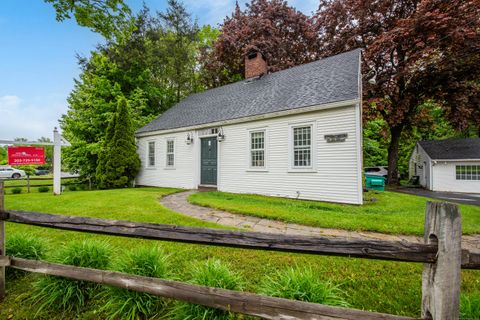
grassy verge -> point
(372, 285)
(387, 212)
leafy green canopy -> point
(152, 68)
(106, 17)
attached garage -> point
(447, 165)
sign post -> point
(22, 156)
(31, 155)
(57, 162)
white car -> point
(8, 172)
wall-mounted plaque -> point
(341, 137)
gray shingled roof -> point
(452, 149)
(324, 81)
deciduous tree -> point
(420, 50)
(285, 37)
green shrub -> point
(16, 190)
(22, 245)
(72, 187)
(212, 274)
(304, 285)
(43, 189)
(469, 306)
(126, 304)
(64, 294)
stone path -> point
(178, 203)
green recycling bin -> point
(373, 182)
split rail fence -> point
(30, 182)
(441, 254)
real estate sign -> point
(19, 156)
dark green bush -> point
(304, 285)
(22, 245)
(72, 187)
(59, 293)
(213, 274)
(131, 305)
(17, 190)
(43, 189)
(470, 306)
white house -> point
(447, 165)
(294, 133)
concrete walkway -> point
(178, 202)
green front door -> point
(209, 161)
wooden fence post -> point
(2, 243)
(441, 280)
(28, 183)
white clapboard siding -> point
(334, 179)
(444, 178)
(420, 163)
(182, 175)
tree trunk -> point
(395, 133)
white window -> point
(257, 149)
(170, 153)
(302, 147)
(151, 154)
(468, 172)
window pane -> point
(170, 153)
(151, 154)
(257, 149)
(302, 146)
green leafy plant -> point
(131, 305)
(43, 189)
(303, 284)
(22, 245)
(469, 306)
(59, 293)
(213, 273)
(72, 187)
(16, 190)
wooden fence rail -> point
(28, 181)
(441, 254)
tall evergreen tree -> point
(118, 162)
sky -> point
(38, 61)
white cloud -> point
(30, 119)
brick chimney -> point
(255, 64)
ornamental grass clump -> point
(131, 305)
(213, 273)
(303, 284)
(52, 292)
(22, 245)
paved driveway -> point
(464, 198)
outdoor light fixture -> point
(220, 135)
(189, 139)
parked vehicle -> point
(42, 171)
(9, 172)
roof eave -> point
(338, 104)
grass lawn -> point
(392, 212)
(370, 284)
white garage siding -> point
(420, 166)
(444, 178)
(336, 176)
